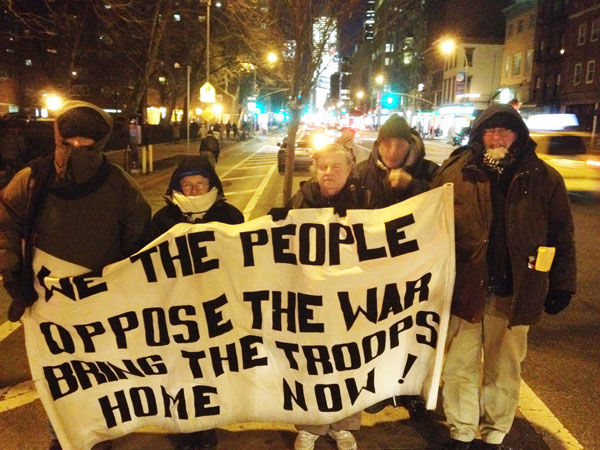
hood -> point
(78, 118)
(195, 165)
(416, 153)
(501, 116)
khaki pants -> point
(350, 423)
(486, 401)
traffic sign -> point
(207, 93)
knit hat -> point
(82, 122)
(503, 120)
(395, 126)
(194, 165)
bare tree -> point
(299, 30)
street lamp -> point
(448, 47)
(379, 81)
(360, 95)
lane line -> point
(7, 328)
(259, 191)
(240, 192)
(18, 395)
(544, 422)
(231, 169)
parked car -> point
(306, 141)
(569, 153)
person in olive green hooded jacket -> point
(73, 205)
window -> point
(577, 73)
(506, 66)
(516, 64)
(589, 73)
(531, 20)
(595, 33)
(509, 30)
(387, 61)
(28, 63)
(581, 34)
(407, 59)
(520, 26)
(389, 48)
(528, 61)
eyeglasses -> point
(502, 132)
(194, 186)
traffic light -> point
(390, 101)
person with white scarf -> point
(195, 195)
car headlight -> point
(319, 141)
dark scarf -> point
(43, 174)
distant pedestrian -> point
(234, 128)
(228, 128)
(210, 147)
(135, 139)
(511, 212)
(203, 131)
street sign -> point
(207, 93)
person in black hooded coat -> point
(195, 195)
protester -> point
(509, 205)
(228, 129)
(195, 195)
(234, 129)
(202, 132)
(396, 170)
(210, 148)
(333, 185)
(73, 205)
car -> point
(462, 137)
(569, 153)
(306, 141)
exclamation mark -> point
(410, 360)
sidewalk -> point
(390, 429)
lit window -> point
(389, 48)
(590, 72)
(516, 64)
(577, 73)
(529, 61)
(407, 58)
(28, 62)
(387, 61)
(506, 66)
(581, 34)
(595, 30)
(177, 17)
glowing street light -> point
(272, 57)
(379, 79)
(360, 95)
(53, 102)
(447, 46)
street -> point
(560, 402)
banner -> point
(304, 321)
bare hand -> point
(399, 178)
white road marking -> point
(14, 396)
(242, 178)
(259, 191)
(555, 435)
(231, 169)
(239, 192)
(7, 328)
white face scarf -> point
(194, 207)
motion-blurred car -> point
(306, 142)
(569, 153)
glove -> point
(278, 214)
(18, 304)
(556, 301)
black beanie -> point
(503, 120)
(82, 122)
(395, 126)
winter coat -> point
(211, 144)
(373, 175)
(171, 214)
(352, 196)
(94, 217)
(537, 213)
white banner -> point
(304, 321)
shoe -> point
(374, 409)
(415, 405)
(54, 445)
(305, 440)
(454, 444)
(487, 446)
(343, 439)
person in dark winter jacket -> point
(396, 168)
(509, 207)
(333, 185)
(210, 146)
(195, 195)
(395, 171)
(73, 205)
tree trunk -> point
(288, 177)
